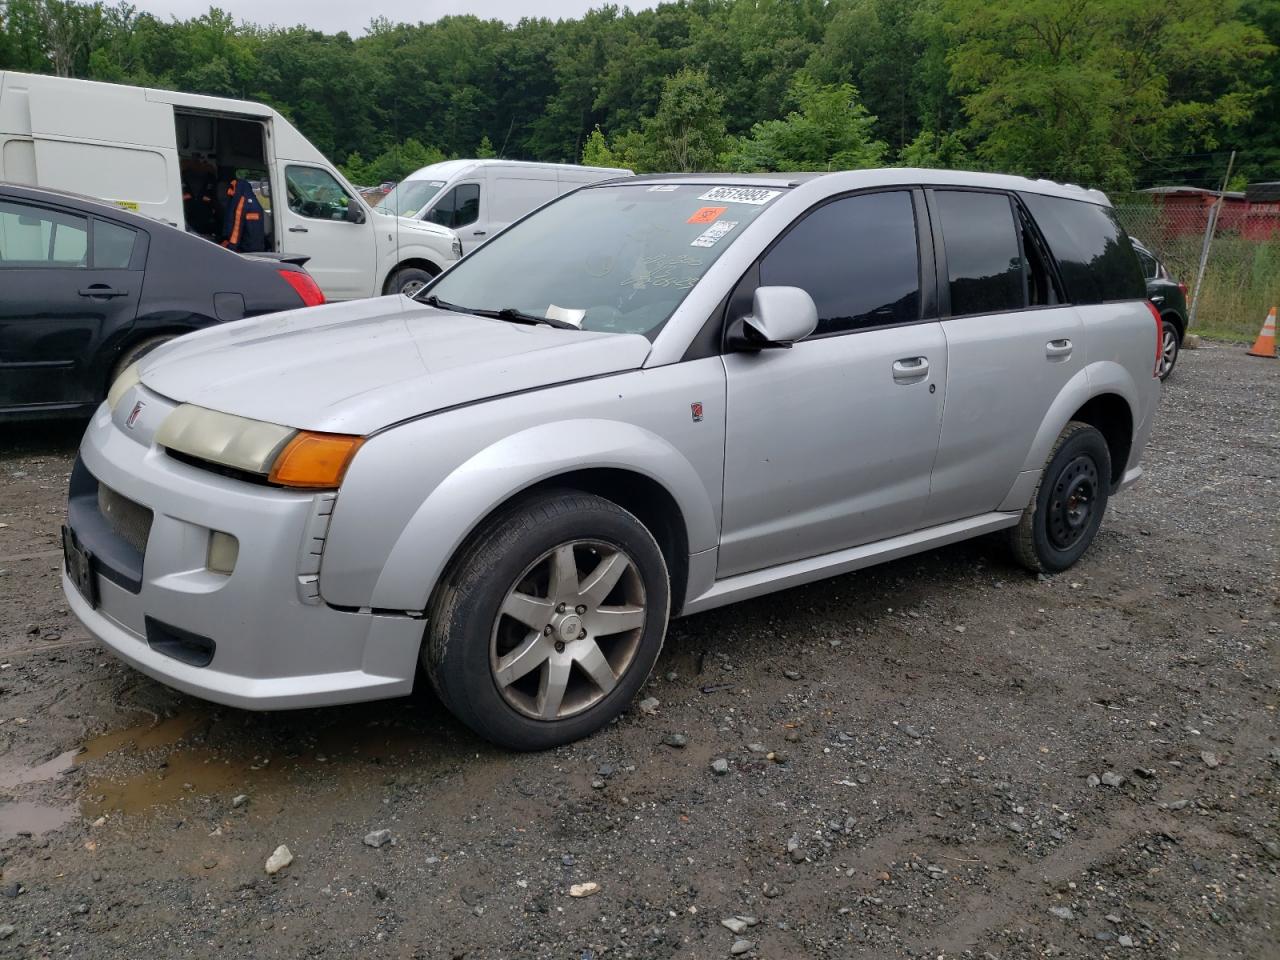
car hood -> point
(355, 367)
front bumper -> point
(272, 643)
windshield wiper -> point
(506, 313)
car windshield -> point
(407, 197)
(615, 258)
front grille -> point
(130, 521)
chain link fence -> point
(1242, 272)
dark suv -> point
(1170, 298)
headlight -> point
(279, 454)
(128, 378)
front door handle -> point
(101, 290)
(1057, 349)
(298, 230)
(477, 233)
(910, 369)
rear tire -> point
(1066, 509)
(548, 621)
(135, 352)
(1170, 346)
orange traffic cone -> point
(1265, 345)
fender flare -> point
(1093, 380)
(507, 467)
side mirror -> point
(354, 213)
(780, 316)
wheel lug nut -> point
(581, 608)
(559, 646)
(582, 635)
(546, 631)
(559, 608)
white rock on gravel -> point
(1062, 913)
(1112, 779)
(377, 838)
(584, 889)
(649, 705)
(741, 946)
(280, 859)
(734, 924)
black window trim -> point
(925, 261)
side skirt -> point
(758, 582)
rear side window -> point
(857, 257)
(37, 237)
(1094, 255)
(984, 263)
(112, 245)
(1148, 263)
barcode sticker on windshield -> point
(757, 196)
(713, 234)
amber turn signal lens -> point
(314, 460)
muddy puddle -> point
(139, 769)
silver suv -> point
(647, 399)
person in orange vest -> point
(243, 224)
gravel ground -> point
(940, 757)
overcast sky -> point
(354, 15)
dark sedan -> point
(86, 288)
(1170, 298)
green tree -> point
(596, 152)
(485, 150)
(687, 133)
(1084, 90)
(830, 130)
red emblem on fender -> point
(696, 410)
(133, 414)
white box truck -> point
(477, 198)
(133, 145)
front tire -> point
(409, 280)
(1068, 504)
(549, 620)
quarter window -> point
(112, 245)
(984, 263)
(1094, 255)
(857, 257)
(35, 237)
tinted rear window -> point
(1094, 254)
(983, 260)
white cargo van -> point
(132, 146)
(477, 198)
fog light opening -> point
(224, 550)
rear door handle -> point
(298, 230)
(103, 291)
(1057, 349)
(910, 369)
(477, 233)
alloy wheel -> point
(568, 630)
(1168, 350)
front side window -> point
(36, 237)
(457, 208)
(617, 258)
(315, 194)
(857, 257)
(984, 263)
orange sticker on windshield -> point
(706, 215)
